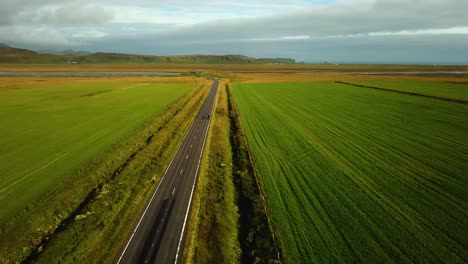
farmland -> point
(361, 175)
(50, 132)
(80, 134)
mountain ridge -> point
(16, 55)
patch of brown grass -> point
(45, 82)
(225, 68)
(275, 78)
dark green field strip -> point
(357, 175)
(451, 92)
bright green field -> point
(438, 89)
(48, 133)
(360, 175)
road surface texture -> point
(159, 235)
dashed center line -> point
(173, 191)
(190, 145)
(186, 157)
(181, 171)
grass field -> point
(49, 131)
(101, 229)
(361, 175)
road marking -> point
(173, 191)
(139, 222)
(152, 197)
(191, 145)
(181, 171)
(193, 187)
(186, 157)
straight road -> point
(159, 235)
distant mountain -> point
(277, 60)
(2, 45)
(15, 55)
(66, 52)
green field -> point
(455, 91)
(48, 133)
(360, 175)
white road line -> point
(173, 191)
(152, 197)
(191, 145)
(181, 171)
(186, 157)
(139, 222)
(193, 186)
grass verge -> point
(258, 241)
(213, 229)
(229, 218)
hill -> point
(66, 52)
(15, 55)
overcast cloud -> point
(386, 31)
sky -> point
(336, 31)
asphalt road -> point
(160, 233)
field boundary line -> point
(403, 92)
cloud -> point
(299, 28)
(430, 49)
(71, 14)
(8, 9)
(53, 12)
(40, 36)
(340, 19)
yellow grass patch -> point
(278, 78)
